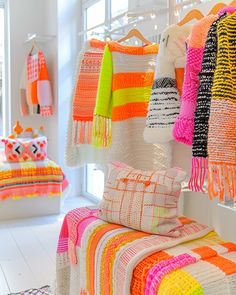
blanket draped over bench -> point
(30, 179)
(96, 257)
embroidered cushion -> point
(19, 149)
(143, 200)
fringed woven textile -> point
(222, 122)
(184, 125)
(202, 112)
(85, 90)
(120, 114)
(95, 257)
(125, 83)
(35, 87)
(31, 179)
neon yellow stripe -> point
(181, 283)
(129, 95)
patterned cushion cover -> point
(19, 149)
(143, 200)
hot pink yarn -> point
(160, 270)
(184, 125)
(228, 9)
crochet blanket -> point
(95, 257)
(30, 179)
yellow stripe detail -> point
(131, 95)
(181, 283)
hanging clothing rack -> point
(138, 17)
(38, 38)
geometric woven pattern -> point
(20, 150)
(143, 200)
(41, 291)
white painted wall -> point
(59, 19)
(27, 16)
(69, 24)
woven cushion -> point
(19, 150)
(143, 200)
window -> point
(1, 65)
(119, 7)
(94, 184)
(95, 14)
(99, 12)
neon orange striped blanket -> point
(30, 179)
(98, 258)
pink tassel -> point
(198, 174)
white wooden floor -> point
(28, 248)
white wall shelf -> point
(39, 38)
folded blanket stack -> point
(30, 179)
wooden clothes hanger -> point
(233, 3)
(197, 15)
(217, 8)
(220, 6)
(135, 33)
(194, 14)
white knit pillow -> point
(143, 200)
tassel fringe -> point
(82, 132)
(198, 174)
(222, 181)
(101, 136)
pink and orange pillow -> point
(143, 200)
(20, 150)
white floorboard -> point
(4, 289)
(28, 250)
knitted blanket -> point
(35, 87)
(222, 121)
(30, 179)
(85, 90)
(95, 257)
(184, 125)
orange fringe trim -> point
(222, 181)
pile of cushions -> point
(143, 200)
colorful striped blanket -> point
(95, 257)
(30, 179)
